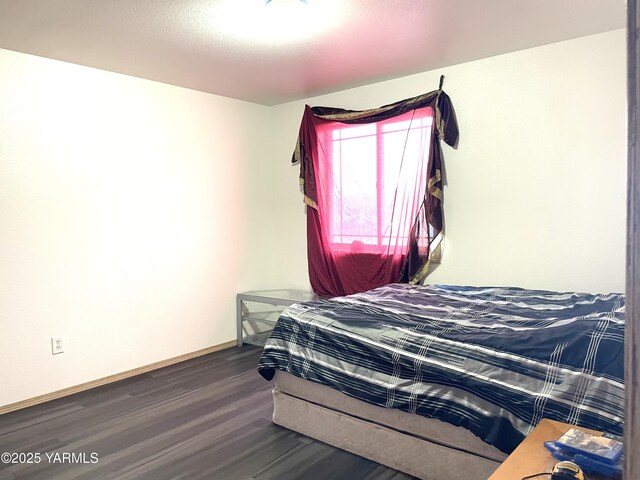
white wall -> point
(131, 212)
(123, 221)
(535, 193)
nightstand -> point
(258, 310)
(531, 457)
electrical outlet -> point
(57, 345)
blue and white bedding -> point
(493, 360)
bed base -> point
(380, 440)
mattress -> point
(491, 360)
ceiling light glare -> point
(276, 21)
(284, 1)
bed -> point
(445, 381)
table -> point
(258, 310)
(531, 457)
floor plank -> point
(206, 418)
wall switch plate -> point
(57, 345)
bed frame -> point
(425, 448)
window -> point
(373, 192)
(370, 171)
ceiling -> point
(287, 50)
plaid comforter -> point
(492, 360)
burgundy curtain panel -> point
(372, 184)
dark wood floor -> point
(207, 418)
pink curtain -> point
(373, 189)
